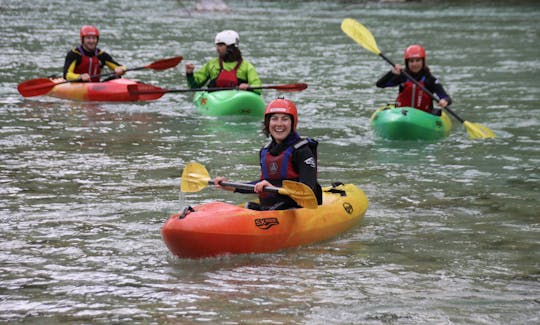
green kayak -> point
(229, 103)
(407, 123)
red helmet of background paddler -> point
(283, 106)
(415, 51)
(88, 30)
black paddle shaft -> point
(244, 186)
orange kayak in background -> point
(108, 91)
(219, 228)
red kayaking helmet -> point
(283, 106)
(415, 51)
(88, 30)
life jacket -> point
(413, 96)
(275, 169)
(227, 78)
(89, 64)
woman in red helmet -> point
(411, 95)
(229, 69)
(87, 59)
(286, 157)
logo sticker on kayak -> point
(266, 223)
(348, 207)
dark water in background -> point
(451, 235)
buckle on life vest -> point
(187, 210)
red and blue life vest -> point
(275, 169)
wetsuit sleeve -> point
(306, 164)
(191, 81)
(107, 60)
(437, 88)
(389, 80)
(200, 77)
(72, 59)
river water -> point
(451, 235)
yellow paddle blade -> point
(360, 34)
(194, 178)
(300, 193)
(478, 131)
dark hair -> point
(266, 125)
(233, 54)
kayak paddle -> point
(195, 177)
(361, 35)
(41, 86)
(144, 89)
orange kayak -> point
(218, 228)
(110, 91)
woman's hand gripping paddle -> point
(195, 177)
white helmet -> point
(229, 37)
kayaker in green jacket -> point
(229, 69)
(87, 59)
(411, 95)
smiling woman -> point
(279, 126)
(286, 157)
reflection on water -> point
(450, 236)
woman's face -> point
(280, 126)
(221, 49)
(415, 64)
(89, 43)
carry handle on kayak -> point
(195, 177)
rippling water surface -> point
(451, 235)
